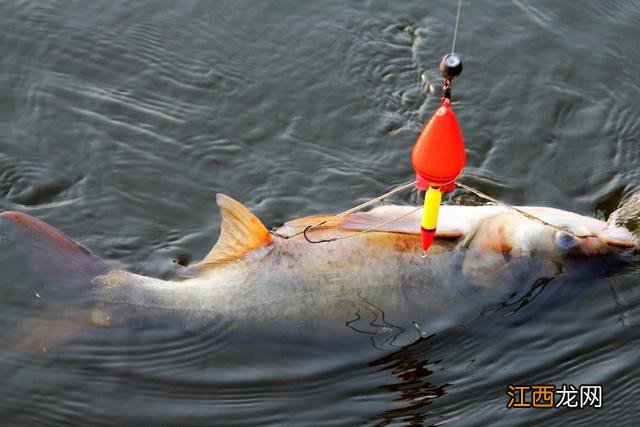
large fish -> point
(374, 283)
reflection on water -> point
(410, 370)
(381, 333)
(120, 122)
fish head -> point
(549, 234)
(509, 259)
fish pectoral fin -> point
(448, 233)
(319, 222)
(240, 232)
(327, 220)
(409, 224)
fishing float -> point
(438, 155)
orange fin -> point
(297, 225)
(410, 224)
(241, 231)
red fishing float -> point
(439, 156)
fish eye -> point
(565, 241)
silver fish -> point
(373, 283)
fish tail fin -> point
(53, 256)
(58, 276)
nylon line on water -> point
(455, 30)
(349, 211)
(520, 211)
(401, 188)
(372, 228)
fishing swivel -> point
(450, 67)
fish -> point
(278, 284)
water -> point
(120, 121)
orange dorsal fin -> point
(240, 232)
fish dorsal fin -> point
(240, 232)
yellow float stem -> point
(432, 199)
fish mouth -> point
(592, 246)
(589, 246)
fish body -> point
(380, 280)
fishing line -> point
(402, 187)
(455, 31)
(349, 211)
(373, 228)
(520, 211)
(410, 184)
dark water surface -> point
(120, 121)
